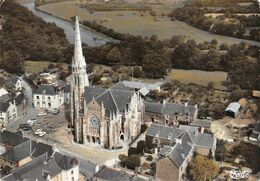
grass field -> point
(133, 23)
(35, 66)
(199, 77)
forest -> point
(26, 37)
(229, 23)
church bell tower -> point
(79, 80)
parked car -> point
(37, 131)
(55, 111)
(24, 127)
(42, 133)
(42, 114)
(31, 121)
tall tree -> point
(203, 169)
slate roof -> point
(26, 149)
(4, 102)
(199, 139)
(64, 162)
(169, 108)
(12, 139)
(233, 106)
(67, 88)
(18, 152)
(33, 169)
(164, 132)
(45, 89)
(13, 79)
(120, 86)
(112, 99)
(206, 123)
(144, 91)
(180, 151)
(154, 107)
(19, 98)
(106, 173)
(140, 85)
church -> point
(110, 117)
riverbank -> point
(89, 36)
(137, 24)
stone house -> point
(48, 97)
(176, 147)
(170, 113)
(14, 83)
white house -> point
(48, 97)
(14, 83)
(8, 109)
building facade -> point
(48, 97)
(106, 117)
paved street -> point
(58, 136)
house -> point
(8, 109)
(233, 109)
(56, 167)
(255, 134)
(14, 83)
(170, 113)
(12, 106)
(112, 174)
(29, 160)
(173, 160)
(23, 153)
(202, 124)
(48, 97)
(205, 144)
(176, 148)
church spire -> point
(78, 55)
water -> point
(89, 37)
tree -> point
(203, 169)
(221, 150)
(155, 66)
(130, 162)
(114, 56)
(132, 151)
(141, 146)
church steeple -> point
(78, 59)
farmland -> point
(136, 22)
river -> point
(90, 37)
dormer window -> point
(157, 133)
(170, 136)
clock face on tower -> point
(94, 121)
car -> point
(42, 114)
(55, 111)
(24, 127)
(31, 121)
(42, 133)
(38, 131)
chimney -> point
(96, 168)
(164, 102)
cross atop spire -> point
(78, 58)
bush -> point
(130, 162)
(132, 151)
(141, 147)
(149, 158)
(143, 128)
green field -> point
(35, 66)
(138, 23)
(199, 77)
